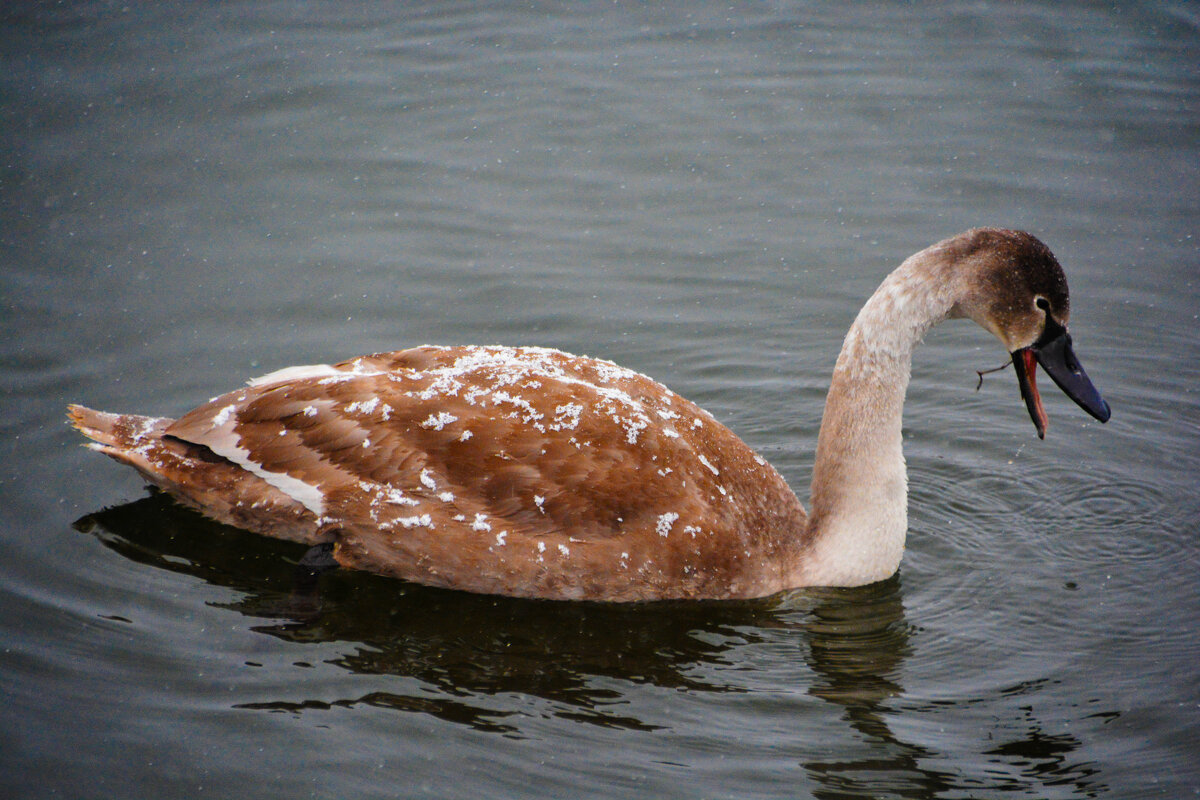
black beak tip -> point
(1058, 359)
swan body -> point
(531, 472)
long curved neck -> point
(859, 502)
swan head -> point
(1017, 290)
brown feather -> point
(510, 470)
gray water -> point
(196, 193)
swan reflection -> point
(495, 664)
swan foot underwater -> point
(530, 472)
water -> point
(193, 194)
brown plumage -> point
(506, 470)
(531, 472)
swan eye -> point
(1042, 303)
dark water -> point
(193, 194)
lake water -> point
(196, 193)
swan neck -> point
(859, 499)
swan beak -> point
(1053, 351)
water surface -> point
(196, 194)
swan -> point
(530, 472)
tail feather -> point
(194, 475)
(117, 435)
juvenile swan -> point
(531, 472)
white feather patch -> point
(224, 441)
(297, 373)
